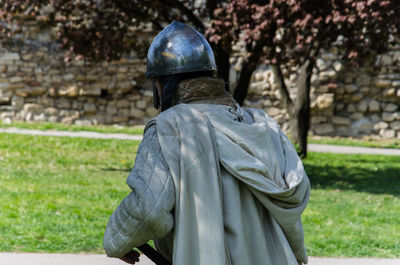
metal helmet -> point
(179, 49)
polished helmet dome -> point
(179, 48)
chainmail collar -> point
(203, 90)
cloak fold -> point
(240, 188)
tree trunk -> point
(222, 61)
(242, 86)
(300, 116)
(299, 111)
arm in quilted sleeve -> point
(146, 212)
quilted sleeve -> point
(146, 212)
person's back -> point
(238, 187)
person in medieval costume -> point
(213, 183)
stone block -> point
(152, 112)
(45, 101)
(365, 89)
(325, 101)
(91, 91)
(362, 106)
(137, 113)
(374, 106)
(331, 74)
(27, 56)
(386, 59)
(388, 117)
(53, 119)
(123, 103)
(111, 110)
(323, 129)
(31, 91)
(121, 77)
(39, 117)
(390, 92)
(124, 112)
(69, 77)
(375, 118)
(63, 103)
(16, 79)
(6, 120)
(5, 95)
(39, 78)
(395, 125)
(47, 79)
(390, 107)
(328, 56)
(356, 116)
(83, 122)
(141, 104)
(89, 108)
(70, 116)
(338, 66)
(33, 108)
(381, 125)
(27, 70)
(338, 120)
(56, 79)
(363, 124)
(273, 111)
(51, 111)
(69, 91)
(357, 97)
(77, 105)
(396, 83)
(351, 88)
(17, 101)
(9, 56)
(383, 83)
(387, 133)
(318, 119)
(122, 69)
(12, 68)
(147, 93)
(119, 119)
(351, 108)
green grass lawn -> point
(354, 208)
(56, 195)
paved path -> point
(340, 149)
(73, 259)
(311, 147)
(120, 136)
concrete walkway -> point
(311, 147)
(74, 259)
(120, 136)
(341, 149)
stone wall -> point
(37, 84)
(346, 101)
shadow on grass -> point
(116, 169)
(362, 175)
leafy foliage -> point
(275, 31)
